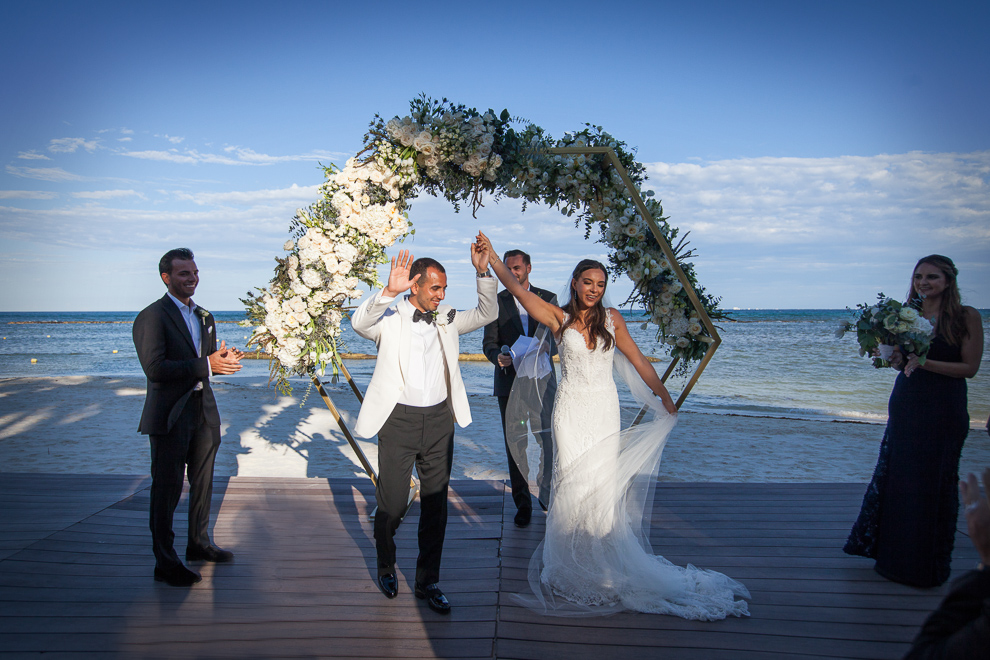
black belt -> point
(421, 410)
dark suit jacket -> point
(168, 357)
(504, 331)
(960, 627)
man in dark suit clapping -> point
(177, 345)
(512, 323)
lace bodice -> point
(580, 367)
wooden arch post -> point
(365, 463)
(613, 159)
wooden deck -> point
(76, 563)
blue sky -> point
(814, 150)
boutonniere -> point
(441, 322)
(203, 314)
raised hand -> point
(480, 251)
(225, 361)
(398, 276)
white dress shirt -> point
(523, 314)
(193, 323)
(425, 383)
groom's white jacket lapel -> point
(391, 331)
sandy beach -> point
(87, 425)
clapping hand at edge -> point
(977, 510)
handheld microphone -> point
(508, 352)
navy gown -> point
(908, 518)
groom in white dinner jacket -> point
(415, 396)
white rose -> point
(330, 263)
(287, 359)
(309, 254)
(311, 278)
(346, 252)
(694, 328)
(297, 304)
(289, 245)
(422, 141)
(683, 342)
(909, 314)
(300, 289)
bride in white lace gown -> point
(596, 557)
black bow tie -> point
(427, 317)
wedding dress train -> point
(596, 556)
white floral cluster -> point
(344, 238)
(350, 192)
(888, 322)
(319, 280)
(464, 139)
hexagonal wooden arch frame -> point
(612, 158)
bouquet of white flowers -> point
(886, 324)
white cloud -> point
(107, 194)
(126, 131)
(168, 156)
(763, 225)
(43, 173)
(170, 138)
(32, 155)
(795, 200)
(250, 156)
(27, 194)
(298, 195)
(124, 139)
(231, 156)
(71, 145)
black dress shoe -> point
(434, 598)
(209, 553)
(523, 517)
(542, 505)
(389, 585)
(180, 576)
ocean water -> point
(775, 363)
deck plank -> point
(75, 576)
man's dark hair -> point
(165, 265)
(516, 253)
(420, 265)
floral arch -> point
(463, 154)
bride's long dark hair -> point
(595, 317)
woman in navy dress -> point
(908, 519)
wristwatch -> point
(487, 273)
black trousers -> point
(191, 443)
(423, 437)
(520, 486)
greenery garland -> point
(461, 154)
